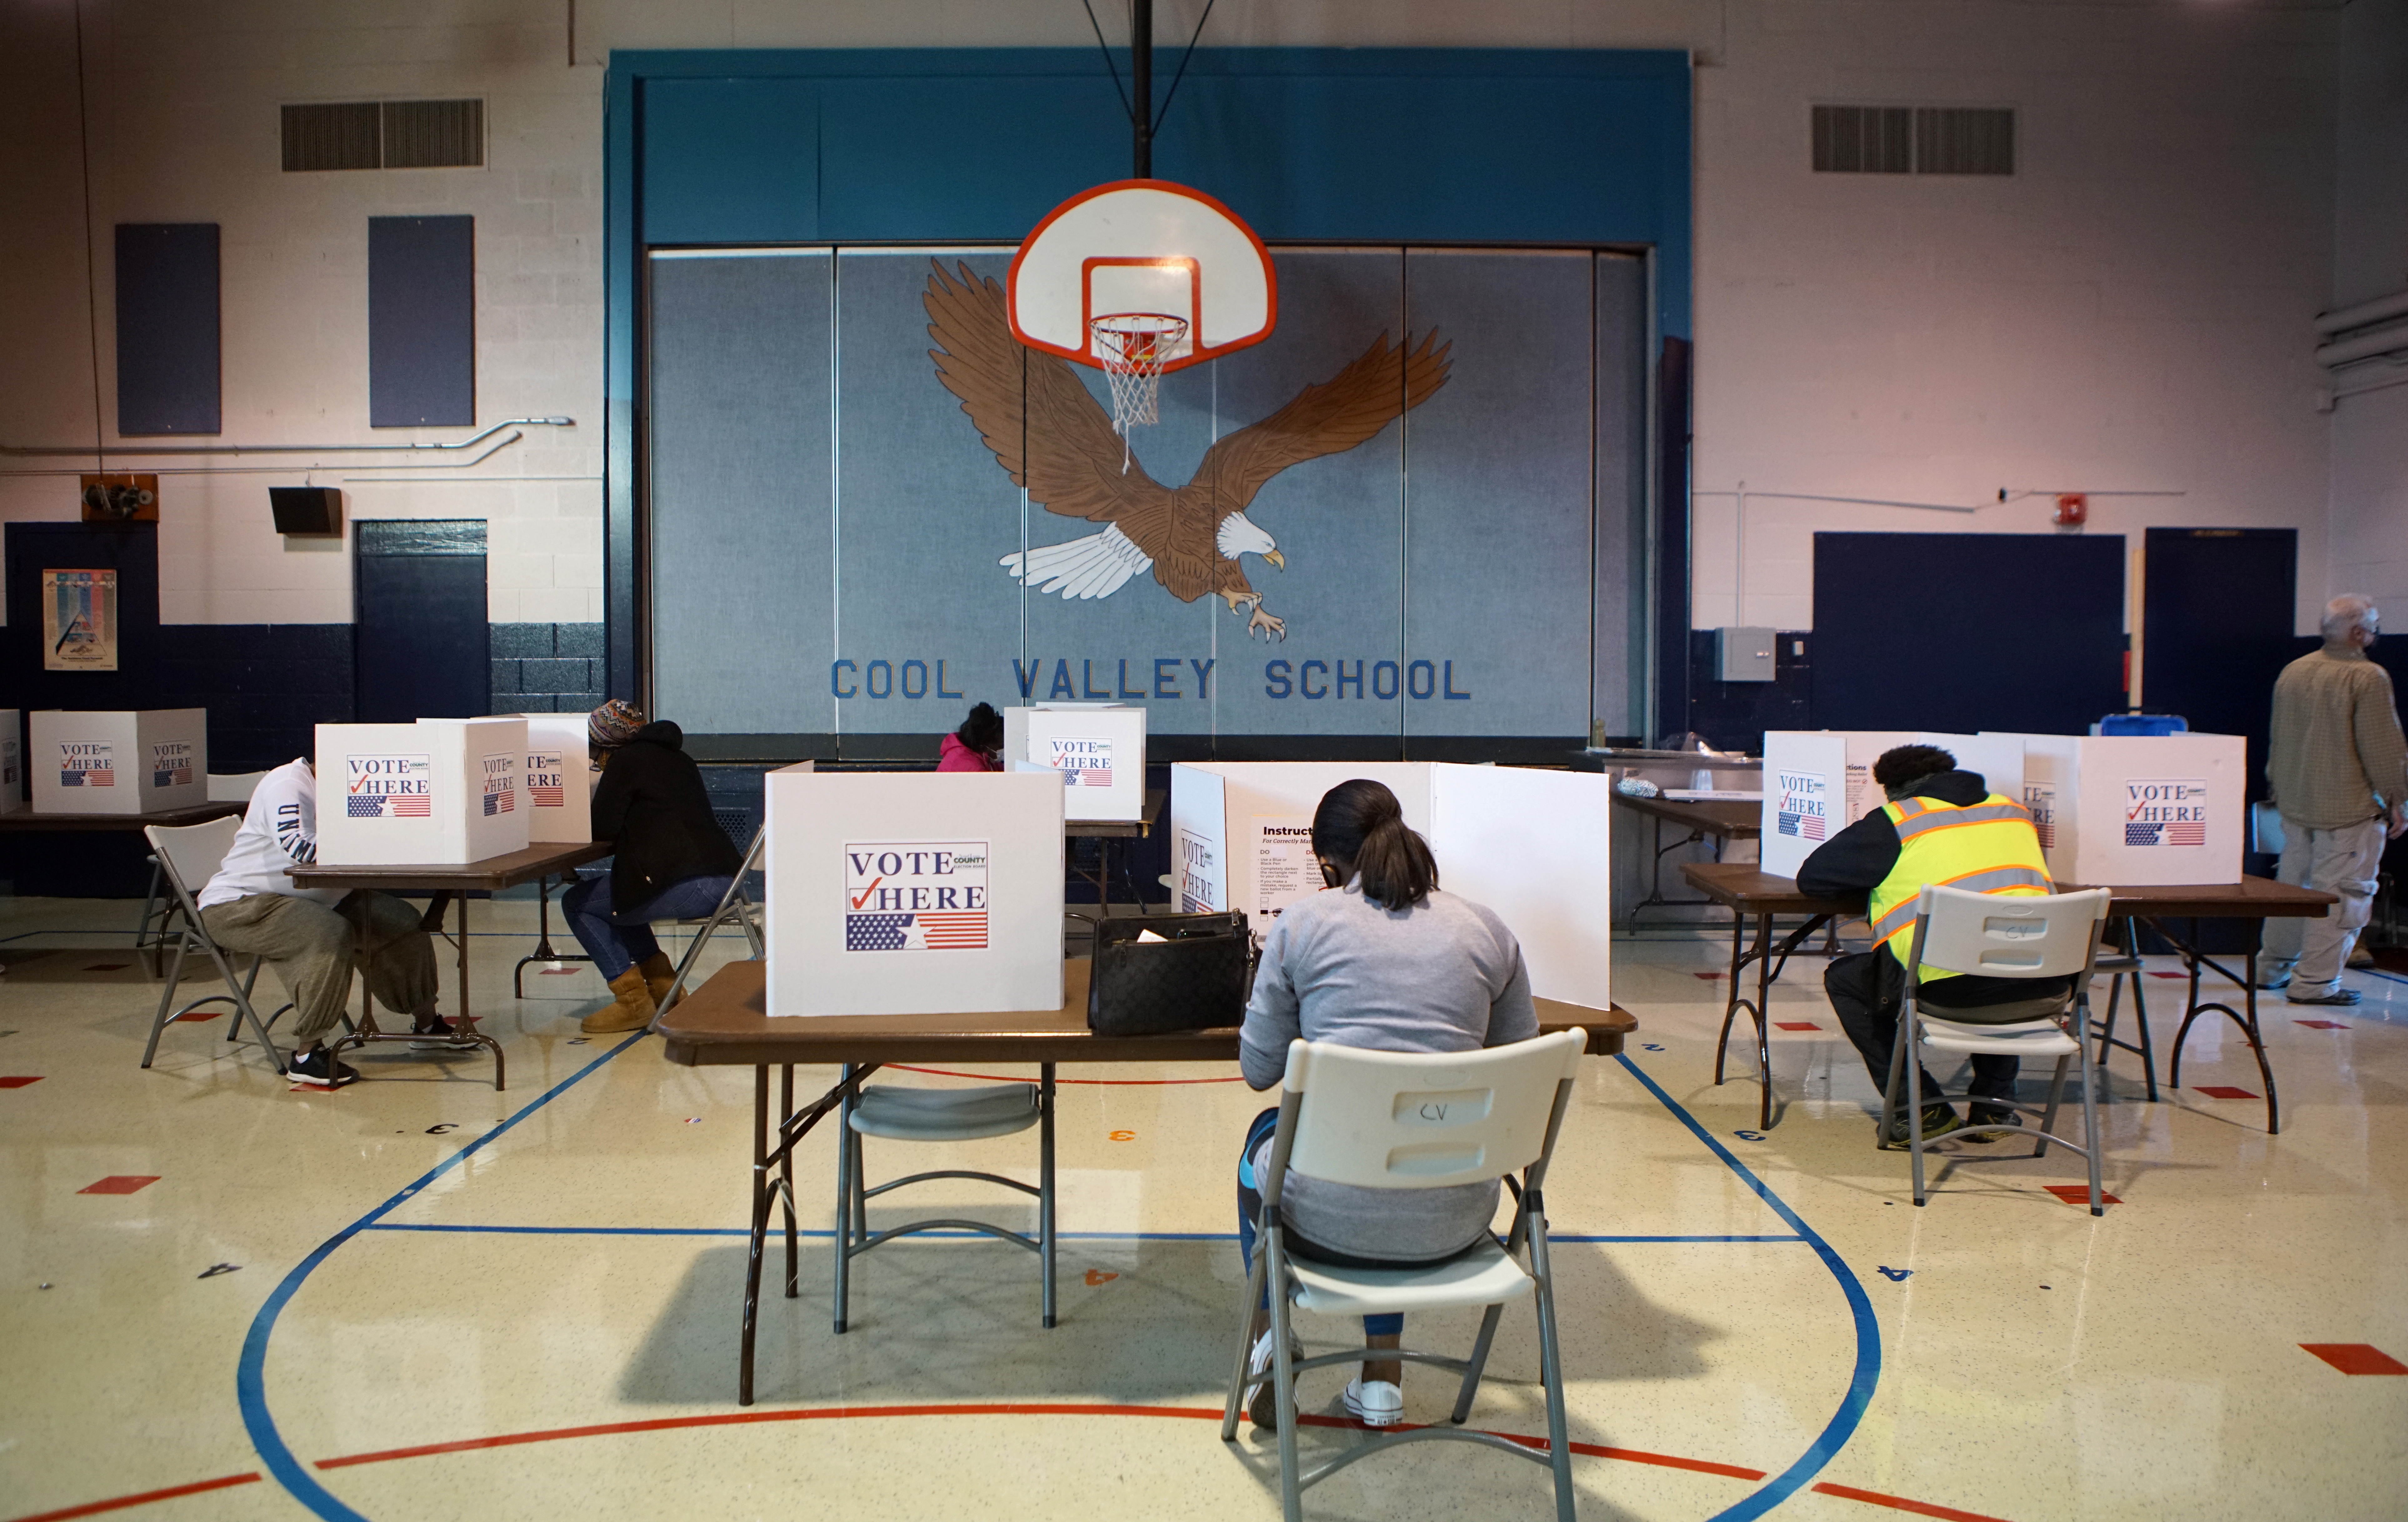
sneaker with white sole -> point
(1377, 1403)
(433, 1033)
(318, 1069)
(1263, 1409)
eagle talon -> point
(1266, 623)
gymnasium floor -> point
(433, 1300)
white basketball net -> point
(1132, 348)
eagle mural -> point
(1075, 464)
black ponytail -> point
(1360, 828)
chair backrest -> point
(191, 852)
(234, 786)
(2008, 935)
(1422, 1120)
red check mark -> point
(867, 892)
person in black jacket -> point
(1865, 988)
(670, 859)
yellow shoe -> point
(633, 1010)
(657, 971)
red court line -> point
(94, 1508)
(739, 1418)
(1900, 1504)
(1113, 1083)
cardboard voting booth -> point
(134, 761)
(1100, 748)
(1819, 781)
(559, 778)
(2140, 809)
(12, 766)
(438, 793)
(913, 893)
(1529, 844)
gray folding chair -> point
(187, 858)
(224, 787)
(736, 904)
(2001, 936)
(1413, 1120)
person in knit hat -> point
(671, 860)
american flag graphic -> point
(547, 794)
(1092, 777)
(2184, 832)
(172, 777)
(947, 930)
(1804, 826)
(2046, 828)
(497, 803)
(88, 779)
(358, 807)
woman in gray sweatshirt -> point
(1382, 960)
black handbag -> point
(1197, 977)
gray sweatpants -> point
(313, 949)
(2340, 861)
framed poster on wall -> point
(79, 621)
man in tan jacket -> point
(2339, 767)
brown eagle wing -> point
(1074, 457)
(1327, 419)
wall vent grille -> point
(384, 135)
(1913, 139)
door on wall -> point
(419, 603)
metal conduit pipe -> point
(2374, 345)
(158, 449)
(2382, 309)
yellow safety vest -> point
(1984, 847)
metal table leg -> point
(543, 952)
(2195, 959)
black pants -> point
(1865, 991)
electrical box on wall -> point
(1742, 655)
(120, 500)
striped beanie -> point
(615, 724)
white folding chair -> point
(940, 1115)
(2001, 936)
(735, 904)
(1413, 1120)
(190, 855)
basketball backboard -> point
(1142, 246)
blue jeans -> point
(618, 938)
(1250, 1213)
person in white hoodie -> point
(313, 937)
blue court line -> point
(249, 1380)
(827, 1231)
(1842, 1425)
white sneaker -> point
(1378, 1403)
(1263, 1410)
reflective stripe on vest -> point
(1986, 847)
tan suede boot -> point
(633, 1011)
(657, 971)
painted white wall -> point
(2126, 312)
(2369, 429)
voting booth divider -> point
(1529, 844)
(559, 778)
(913, 893)
(438, 793)
(1098, 749)
(12, 768)
(2160, 809)
(1819, 781)
(132, 761)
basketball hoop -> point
(1133, 347)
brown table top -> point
(723, 1023)
(1741, 886)
(1135, 828)
(490, 875)
(1726, 817)
(197, 814)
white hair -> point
(2350, 611)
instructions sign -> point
(78, 621)
(915, 896)
(1803, 812)
(2165, 811)
(1083, 762)
(387, 787)
(1285, 868)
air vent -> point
(434, 133)
(385, 134)
(1914, 140)
(331, 137)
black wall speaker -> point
(312, 511)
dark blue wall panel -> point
(167, 328)
(731, 161)
(422, 322)
(422, 647)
